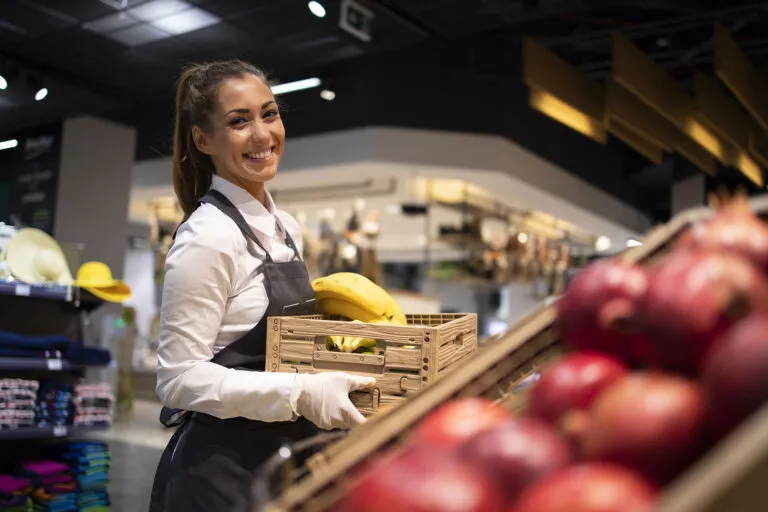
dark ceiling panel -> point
(34, 22)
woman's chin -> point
(264, 174)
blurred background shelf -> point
(49, 432)
(27, 363)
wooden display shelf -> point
(728, 478)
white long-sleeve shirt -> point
(213, 294)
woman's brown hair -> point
(195, 100)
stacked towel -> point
(14, 494)
(89, 461)
(54, 404)
(55, 489)
(17, 403)
(93, 404)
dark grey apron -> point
(209, 463)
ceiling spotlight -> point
(9, 144)
(3, 82)
(41, 94)
(317, 9)
(328, 95)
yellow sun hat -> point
(34, 257)
(96, 277)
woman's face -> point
(247, 136)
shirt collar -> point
(257, 215)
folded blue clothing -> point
(30, 353)
(13, 340)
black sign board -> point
(32, 169)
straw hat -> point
(96, 277)
(34, 257)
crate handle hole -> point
(459, 340)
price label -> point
(59, 431)
(23, 290)
(54, 364)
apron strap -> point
(221, 202)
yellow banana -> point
(347, 309)
(356, 297)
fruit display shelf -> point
(728, 477)
(407, 359)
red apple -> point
(590, 487)
(422, 481)
(517, 453)
(458, 420)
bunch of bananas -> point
(357, 298)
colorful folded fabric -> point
(10, 484)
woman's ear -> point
(202, 141)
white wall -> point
(515, 175)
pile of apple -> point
(665, 361)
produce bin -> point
(729, 478)
(407, 358)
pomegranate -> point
(458, 420)
(693, 297)
(571, 384)
(598, 311)
(734, 229)
(516, 453)
(422, 481)
(652, 423)
(735, 376)
(590, 487)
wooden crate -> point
(729, 478)
(410, 357)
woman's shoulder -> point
(208, 226)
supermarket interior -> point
(481, 255)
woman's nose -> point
(260, 131)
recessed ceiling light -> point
(299, 85)
(157, 9)
(9, 144)
(186, 21)
(3, 82)
(41, 94)
(328, 95)
(316, 8)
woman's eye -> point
(271, 113)
(237, 121)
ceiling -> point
(423, 52)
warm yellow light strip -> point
(750, 169)
(560, 111)
(706, 139)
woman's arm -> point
(198, 281)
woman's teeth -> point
(263, 155)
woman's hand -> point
(323, 398)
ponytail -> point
(195, 100)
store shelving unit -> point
(47, 432)
(45, 310)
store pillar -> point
(688, 193)
(94, 189)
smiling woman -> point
(235, 261)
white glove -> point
(323, 398)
